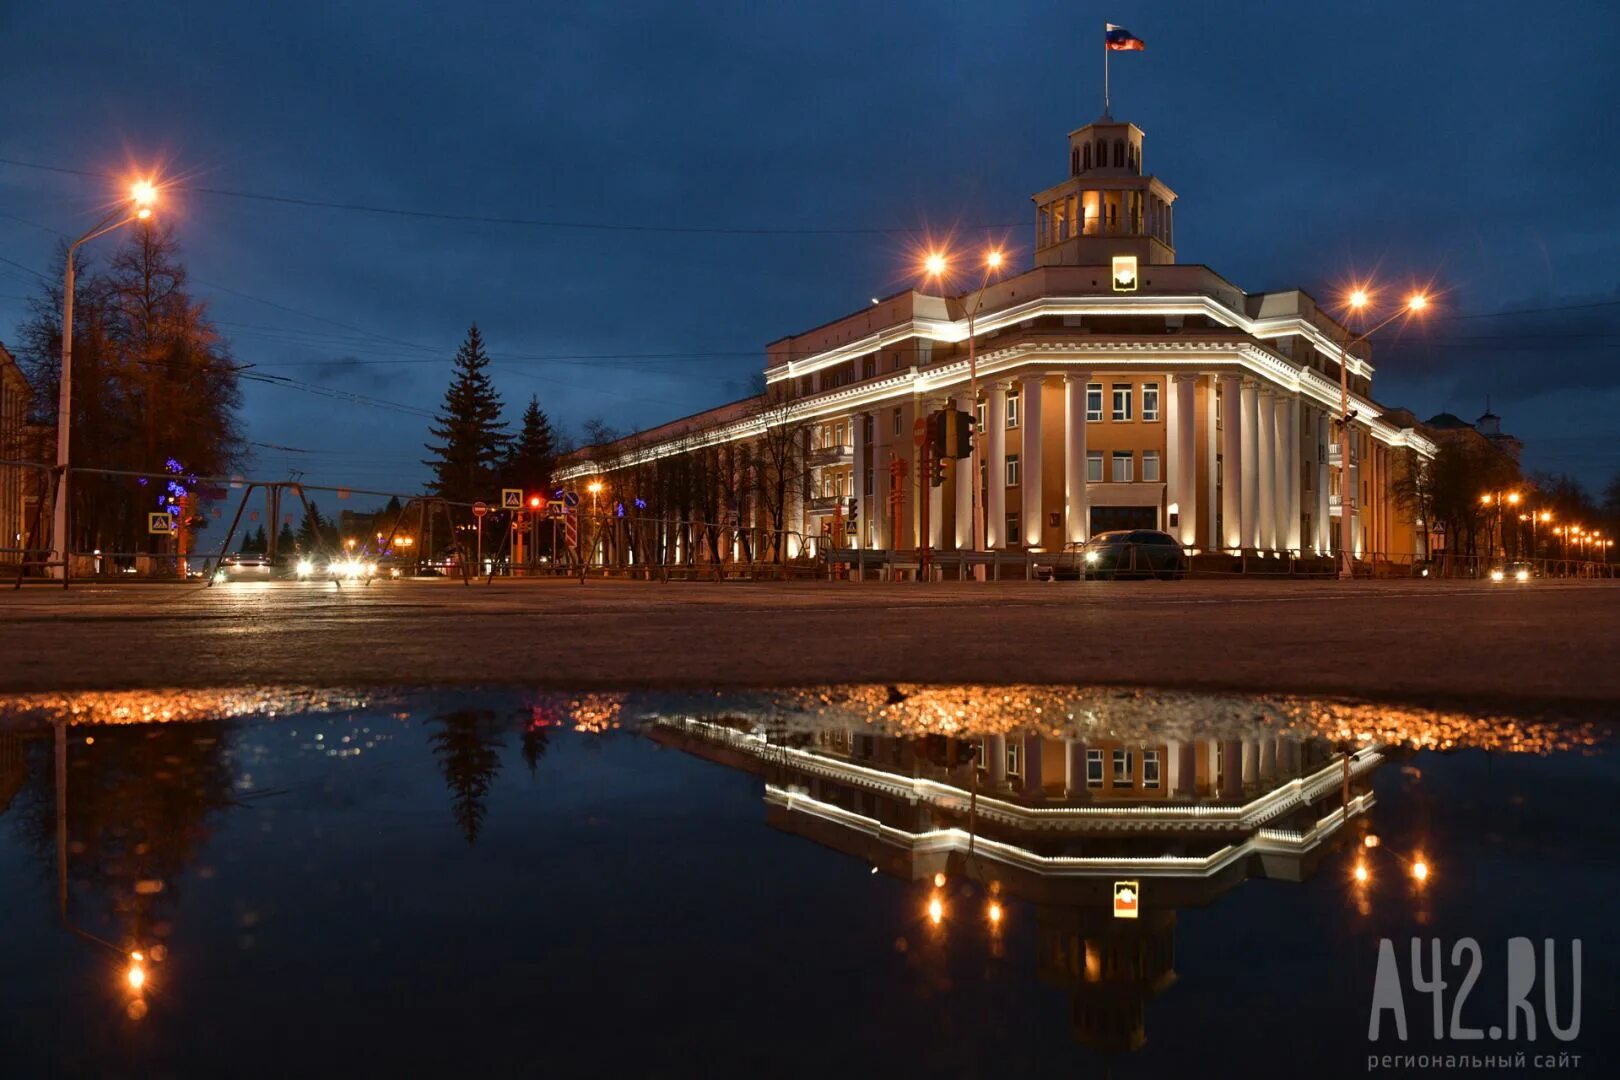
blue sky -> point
(1463, 145)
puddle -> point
(847, 879)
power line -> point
(539, 223)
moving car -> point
(1138, 553)
(246, 566)
(1519, 572)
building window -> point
(866, 429)
(897, 421)
(1122, 401)
(869, 367)
(1119, 153)
(1122, 467)
(1150, 467)
(1094, 768)
(978, 416)
(1012, 409)
(1015, 756)
(1094, 466)
(1085, 157)
(1014, 537)
(1122, 769)
(869, 482)
(1150, 401)
(1150, 768)
(1012, 470)
(1094, 402)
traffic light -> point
(537, 502)
(936, 433)
(940, 471)
(957, 434)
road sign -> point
(1127, 898)
(480, 509)
(919, 432)
(511, 498)
(571, 498)
(160, 524)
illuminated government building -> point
(1117, 389)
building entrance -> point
(1110, 518)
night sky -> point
(1470, 146)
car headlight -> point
(1091, 556)
(1497, 575)
(305, 568)
(1522, 575)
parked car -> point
(1140, 553)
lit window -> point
(1094, 768)
(1094, 403)
(1150, 768)
(1094, 466)
(1012, 470)
(1012, 410)
(1122, 768)
(1122, 467)
(1150, 466)
(1150, 401)
(1122, 401)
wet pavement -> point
(850, 879)
(1548, 645)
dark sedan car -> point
(1139, 553)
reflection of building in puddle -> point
(12, 772)
(1056, 822)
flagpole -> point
(1106, 102)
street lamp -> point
(1357, 300)
(936, 266)
(138, 207)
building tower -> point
(1107, 206)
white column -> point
(793, 506)
(1324, 521)
(1267, 470)
(1172, 458)
(1211, 539)
(1074, 456)
(857, 440)
(1232, 461)
(995, 511)
(1248, 462)
(1029, 463)
(964, 487)
(1184, 389)
(1279, 460)
(1292, 475)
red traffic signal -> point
(537, 502)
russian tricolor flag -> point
(1122, 40)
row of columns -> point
(1259, 445)
(1233, 768)
(1260, 493)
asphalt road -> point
(1545, 646)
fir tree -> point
(468, 432)
(468, 752)
(529, 462)
(285, 540)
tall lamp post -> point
(1356, 301)
(138, 207)
(936, 266)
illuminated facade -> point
(1036, 819)
(1116, 389)
(19, 441)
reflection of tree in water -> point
(140, 799)
(466, 747)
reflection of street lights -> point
(1357, 300)
(138, 207)
(936, 267)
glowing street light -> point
(142, 195)
(936, 265)
(936, 910)
(1420, 870)
(1359, 298)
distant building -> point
(20, 488)
(1117, 389)
(1488, 427)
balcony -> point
(827, 504)
(834, 454)
(1335, 504)
(1335, 455)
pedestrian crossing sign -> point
(160, 524)
(511, 498)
